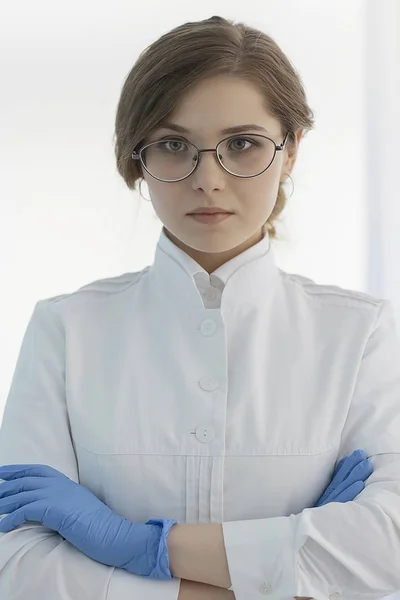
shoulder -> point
(329, 294)
(89, 295)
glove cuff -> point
(162, 570)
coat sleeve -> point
(36, 562)
(339, 551)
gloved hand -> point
(348, 479)
(43, 494)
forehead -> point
(214, 105)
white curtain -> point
(382, 91)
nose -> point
(208, 171)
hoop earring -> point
(288, 174)
(140, 191)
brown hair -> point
(196, 51)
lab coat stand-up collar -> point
(247, 280)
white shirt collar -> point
(248, 277)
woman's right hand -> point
(348, 479)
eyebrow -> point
(236, 129)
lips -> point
(217, 212)
(210, 218)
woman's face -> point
(208, 108)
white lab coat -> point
(228, 399)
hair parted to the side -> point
(196, 51)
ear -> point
(291, 155)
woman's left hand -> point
(43, 494)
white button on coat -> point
(232, 411)
(205, 434)
(209, 383)
(208, 327)
(265, 588)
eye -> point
(172, 141)
(242, 139)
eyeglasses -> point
(173, 159)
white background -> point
(66, 216)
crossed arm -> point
(197, 553)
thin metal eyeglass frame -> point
(278, 148)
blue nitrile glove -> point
(348, 479)
(43, 494)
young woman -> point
(184, 420)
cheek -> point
(155, 192)
(259, 191)
(269, 182)
(167, 197)
(164, 201)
